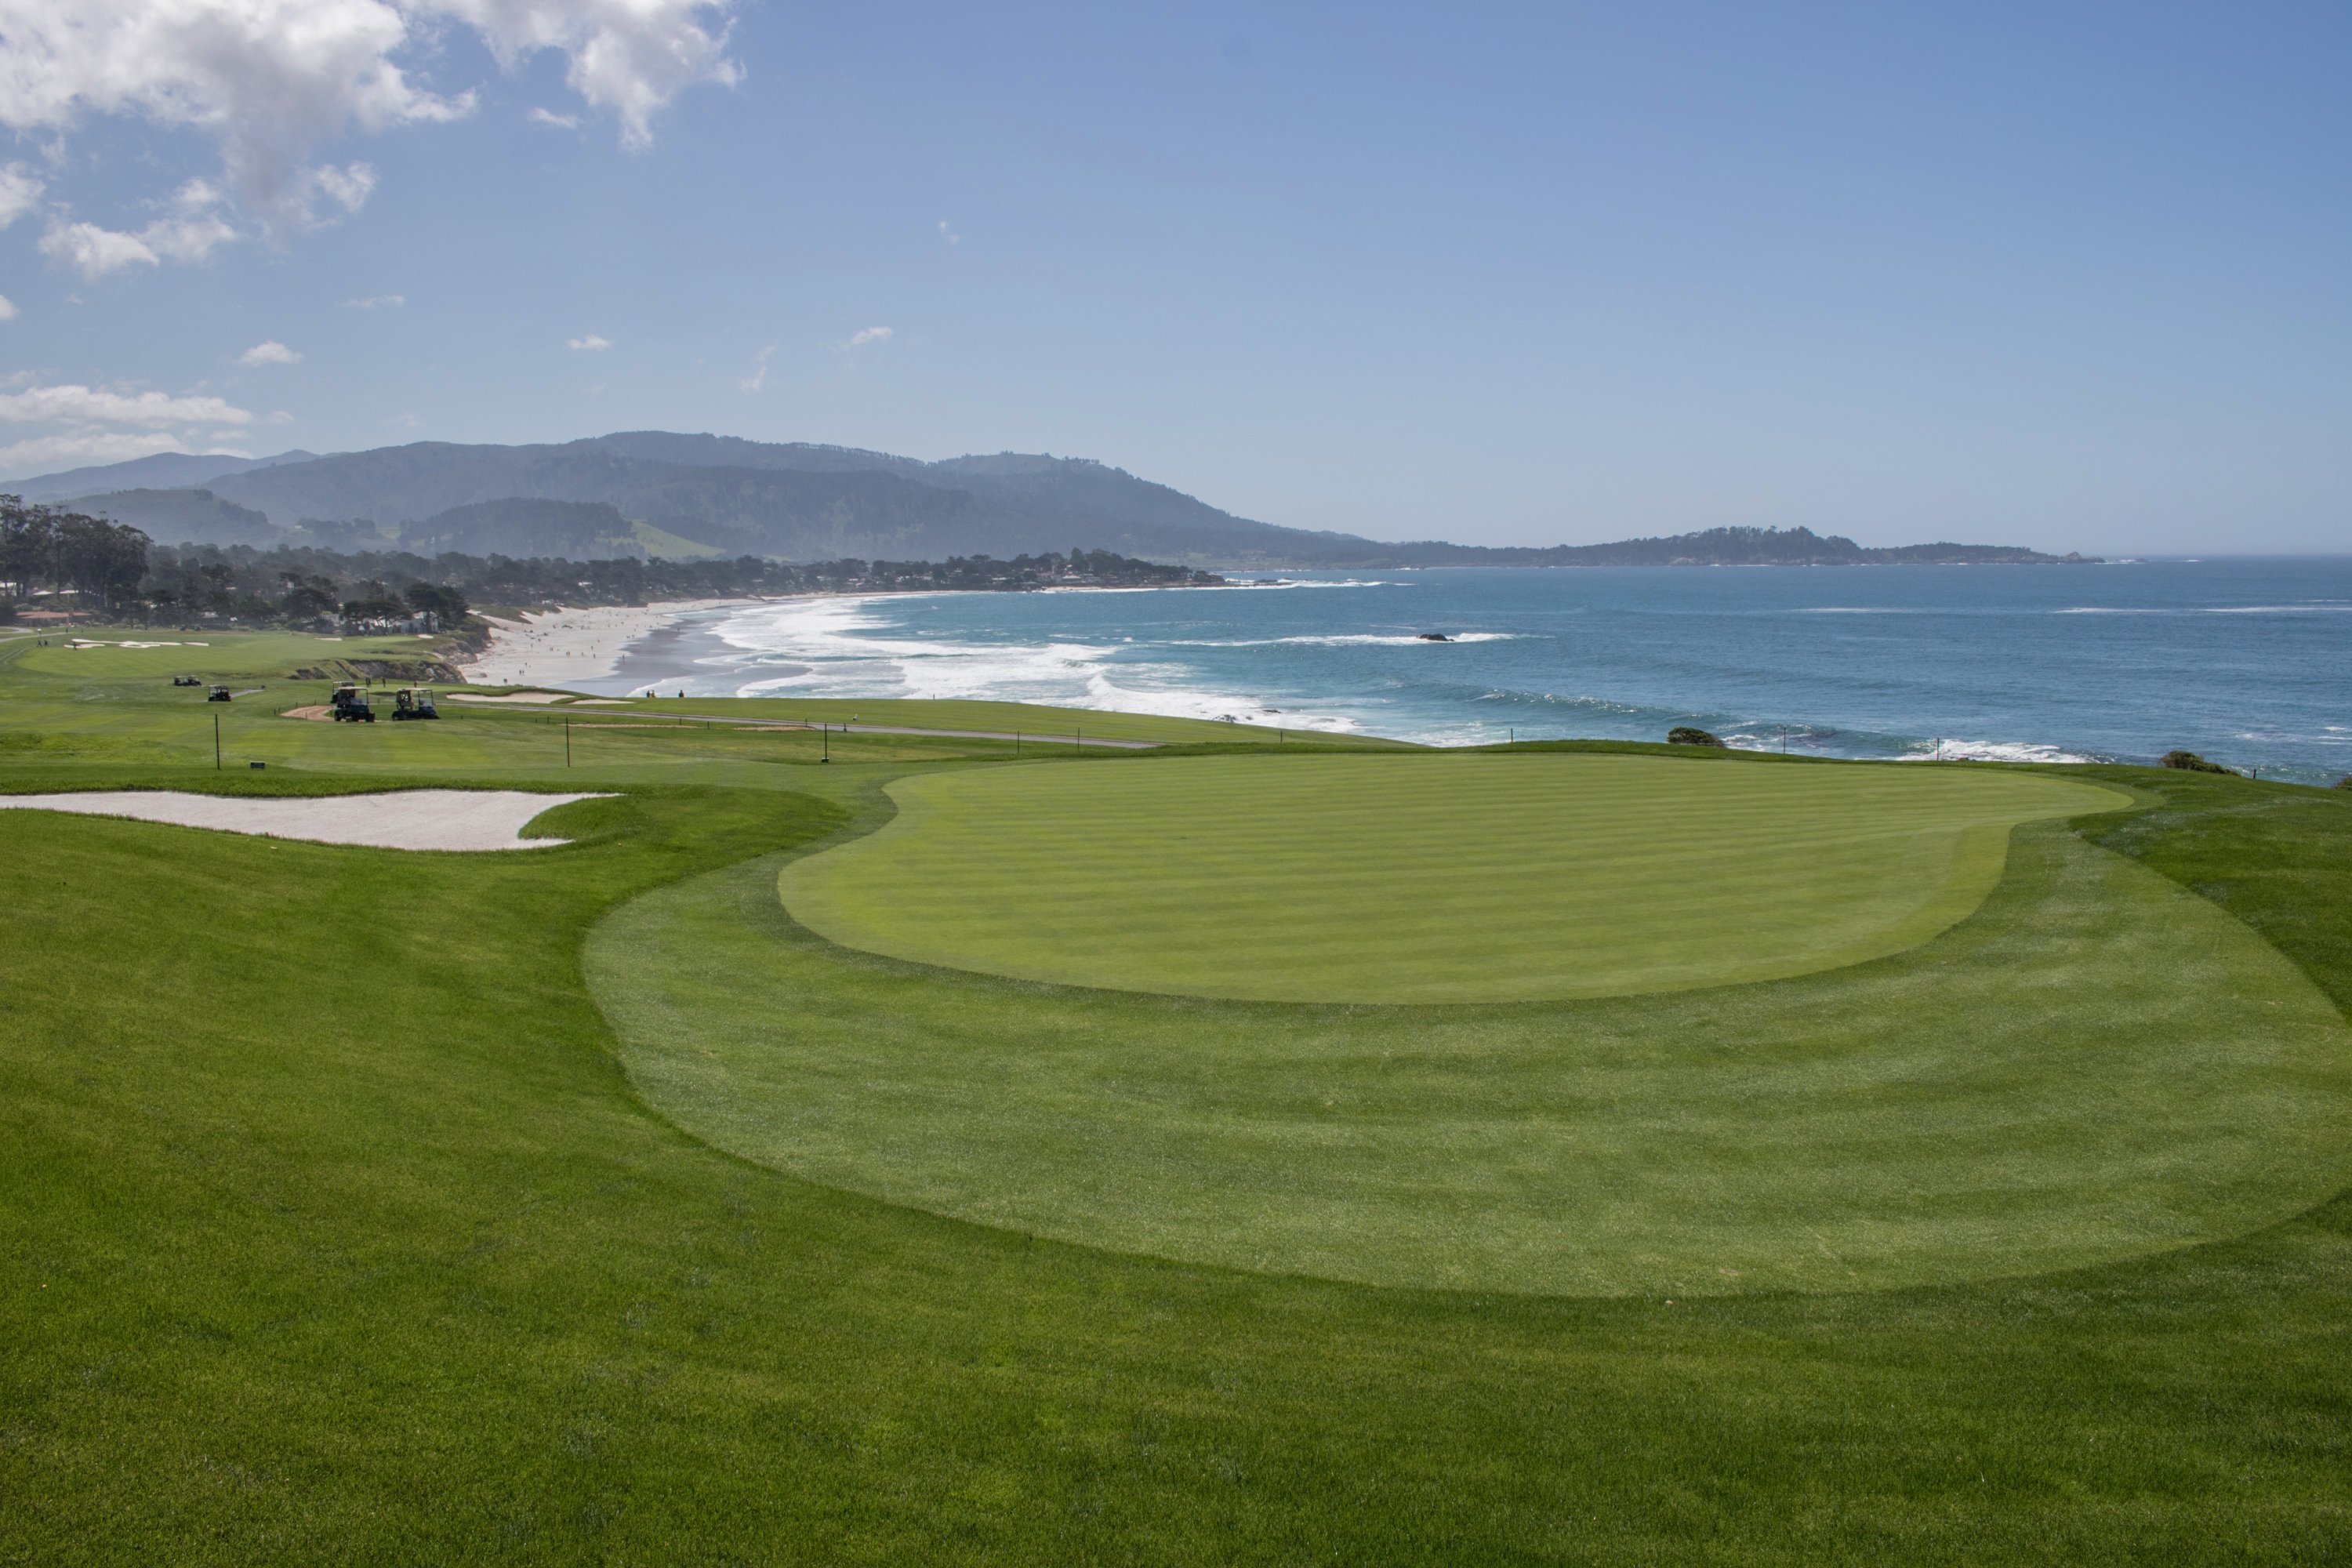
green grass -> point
(1420, 879)
(2097, 1065)
(1043, 725)
(334, 1232)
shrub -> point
(1684, 735)
(2189, 762)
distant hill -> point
(164, 471)
(1728, 547)
(183, 517)
(524, 528)
(714, 494)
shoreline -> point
(563, 648)
(638, 644)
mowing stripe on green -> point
(2097, 1064)
(1421, 878)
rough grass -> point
(1420, 879)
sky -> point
(2073, 275)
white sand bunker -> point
(401, 819)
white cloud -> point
(91, 425)
(191, 233)
(377, 302)
(864, 335)
(270, 81)
(186, 239)
(270, 352)
(948, 233)
(91, 406)
(758, 379)
(591, 343)
(561, 121)
(93, 251)
(7, 309)
(348, 187)
(267, 79)
(627, 57)
(19, 191)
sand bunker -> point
(401, 819)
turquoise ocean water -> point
(2248, 661)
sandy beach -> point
(562, 647)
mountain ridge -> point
(800, 501)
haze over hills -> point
(165, 470)
(655, 492)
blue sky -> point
(2071, 275)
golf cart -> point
(218, 694)
(351, 705)
(413, 702)
(186, 680)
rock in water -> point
(1685, 735)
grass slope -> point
(1420, 879)
(331, 1232)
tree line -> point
(117, 570)
(44, 549)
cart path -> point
(610, 719)
(746, 721)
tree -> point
(307, 598)
(28, 545)
(102, 561)
(438, 600)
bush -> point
(1684, 735)
(2189, 762)
(2344, 783)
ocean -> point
(2242, 659)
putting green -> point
(1420, 879)
(2095, 1065)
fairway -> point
(1420, 879)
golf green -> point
(1421, 878)
(2095, 1065)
